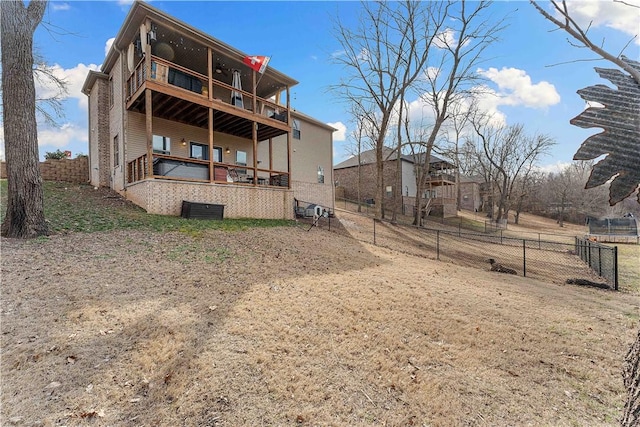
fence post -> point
(615, 267)
(459, 227)
(539, 244)
(599, 260)
(438, 245)
(374, 231)
(501, 236)
(524, 258)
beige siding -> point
(408, 180)
(279, 153)
(136, 143)
(313, 193)
(313, 149)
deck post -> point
(254, 129)
(289, 136)
(211, 171)
(148, 107)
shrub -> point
(55, 155)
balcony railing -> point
(441, 176)
(194, 170)
(174, 75)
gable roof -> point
(369, 156)
(138, 14)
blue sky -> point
(298, 37)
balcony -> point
(183, 95)
(192, 170)
(441, 178)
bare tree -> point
(511, 154)
(49, 105)
(382, 58)
(25, 211)
(521, 189)
(452, 74)
(365, 130)
(461, 112)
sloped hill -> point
(284, 326)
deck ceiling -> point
(178, 110)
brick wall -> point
(347, 178)
(66, 170)
(321, 194)
(165, 198)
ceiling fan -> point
(220, 69)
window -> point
(110, 91)
(199, 151)
(116, 152)
(241, 160)
(161, 144)
(296, 129)
(389, 190)
(217, 154)
(320, 175)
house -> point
(176, 115)
(439, 193)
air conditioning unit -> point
(313, 210)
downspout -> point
(123, 85)
(289, 147)
(333, 181)
(90, 135)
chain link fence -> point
(602, 259)
(551, 261)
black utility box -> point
(202, 210)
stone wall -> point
(65, 170)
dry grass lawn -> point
(277, 327)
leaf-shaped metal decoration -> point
(620, 140)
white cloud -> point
(446, 39)
(515, 88)
(60, 6)
(556, 167)
(338, 53)
(432, 72)
(616, 15)
(341, 133)
(74, 77)
(62, 136)
(107, 45)
(364, 55)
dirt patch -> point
(287, 326)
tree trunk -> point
(379, 182)
(359, 196)
(25, 213)
(631, 376)
(561, 218)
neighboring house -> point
(175, 114)
(470, 194)
(439, 193)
